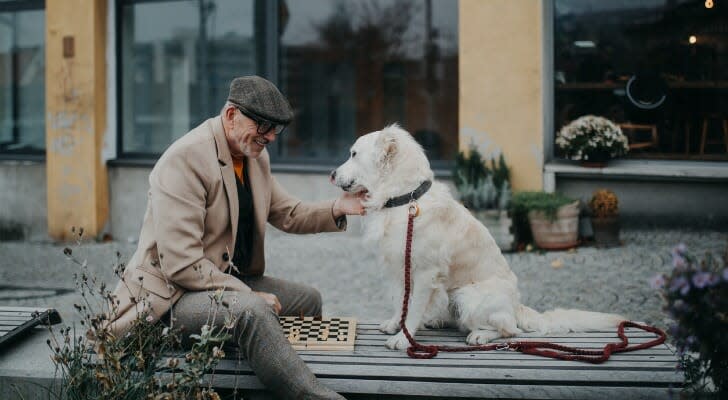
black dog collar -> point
(407, 198)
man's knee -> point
(313, 302)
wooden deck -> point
(372, 371)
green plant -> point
(480, 187)
(592, 138)
(547, 203)
(696, 298)
(604, 204)
(148, 362)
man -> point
(211, 194)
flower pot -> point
(596, 160)
(559, 234)
(499, 225)
(606, 231)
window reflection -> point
(659, 65)
(178, 58)
(22, 81)
(352, 67)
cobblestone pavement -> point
(349, 278)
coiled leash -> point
(544, 349)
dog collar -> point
(407, 198)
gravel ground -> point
(348, 276)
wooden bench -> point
(18, 321)
(372, 371)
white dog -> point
(459, 275)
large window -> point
(177, 60)
(348, 68)
(657, 67)
(352, 67)
(22, 77)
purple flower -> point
(713, 280)
(701, 279)
(657, 282)
(681, 249)
(679, 283)
(678, 255)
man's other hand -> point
(271, 300)
(349, 204)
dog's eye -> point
(353, 154)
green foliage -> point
(478, 186)
(149, 362)
(547, 203)
(696, 298)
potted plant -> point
(552, 217)
(592, 140)
(604, 206)
(486, 192)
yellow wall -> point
(76, 116)
(501, 105)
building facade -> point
(93, 91)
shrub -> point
(480, 187)
(696, 297)
(148, 362)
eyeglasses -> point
(264, 126)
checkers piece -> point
(315, 333)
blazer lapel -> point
(228, 175)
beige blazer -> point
(188, 234)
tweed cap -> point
(260, 97)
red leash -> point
(545, 349)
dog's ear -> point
(387, 144)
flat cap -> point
(260, 97)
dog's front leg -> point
(423, 288)
(391, 326)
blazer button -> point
(225, 257)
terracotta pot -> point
(561, 233)
(606, 231)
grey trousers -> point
(259, 335)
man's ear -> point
(387, 143)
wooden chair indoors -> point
(637, 138)
(711, 119)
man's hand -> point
(349, 204)
(271, 300)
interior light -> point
(709, 4)
(692, 39)
(585, 44)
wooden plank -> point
(466, 357)
(483, 375)
(461, 339)
(230, 365)
(462, 390)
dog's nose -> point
(333, 175)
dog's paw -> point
(481, 337)
(390, 326)
(397, 342)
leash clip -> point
(414, 209)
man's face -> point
(243, 137)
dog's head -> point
(384, 164)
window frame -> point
(35, 155)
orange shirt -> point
(238, 166)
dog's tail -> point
(563, 321)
